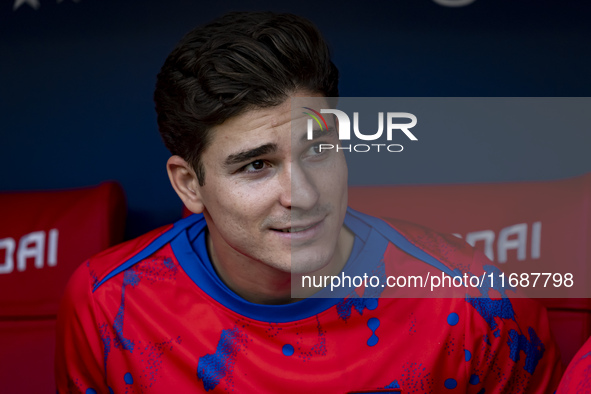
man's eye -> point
(254, 166)
(315, 150)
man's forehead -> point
(257, 118)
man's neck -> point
(261, 284)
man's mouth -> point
(296, 229)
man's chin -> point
(305, 265)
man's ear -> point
(185, 183)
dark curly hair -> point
(238, 62)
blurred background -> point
(77, 77)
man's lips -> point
(296, 228)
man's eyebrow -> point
(319, 133)
(240, 157)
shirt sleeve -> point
(79, 347)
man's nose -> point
(298, 188)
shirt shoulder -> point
(447, 248)
(104, 263)
(414, 247)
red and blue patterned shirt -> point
(151, 315)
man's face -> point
(270, 195)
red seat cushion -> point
(44, 237)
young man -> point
(205, 304)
